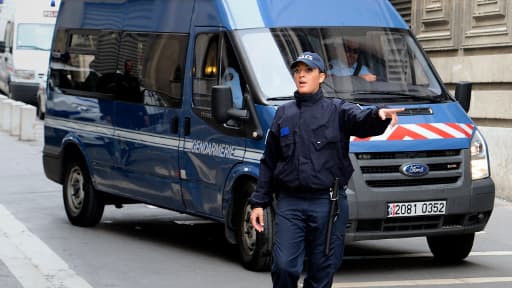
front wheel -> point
(84, 205)
(39, 110)
(255, 248)
(451, 248)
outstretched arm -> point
(367, 122)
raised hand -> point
(386, 113)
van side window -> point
(215, 64)
(205, 71)
(84, 62)
(151, 67)
(231, 74)
(135, 67)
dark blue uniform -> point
(306, 149)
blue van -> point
(168, 102)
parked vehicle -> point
(144, 106)
(25, 46)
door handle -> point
(174, 125)
(186, 126)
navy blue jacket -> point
(308, 143)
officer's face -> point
(307, 79)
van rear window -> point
(83, 41)
(137, 67)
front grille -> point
(407, 154)
(382, 170)
(419, 223)
(395, 168)
(411, 224)
(411, 182)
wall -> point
(499, 143)
(471, 40)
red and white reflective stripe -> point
(423, 131)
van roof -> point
(176, 15)
(303, 13)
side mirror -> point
(222, 105)
(463, 94)
(2, 46)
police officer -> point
(306, 149)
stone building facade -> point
(471, 40)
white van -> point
(6, 39)
(27, 35)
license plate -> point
(416, 208)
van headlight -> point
(25, 74)
(479, 157)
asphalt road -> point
(143, 246)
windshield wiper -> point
(432, 98)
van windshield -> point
(363, 65)
(34, 36)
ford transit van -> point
(169, 102)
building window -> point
(404, 7)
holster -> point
(333, 212)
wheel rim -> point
(248, 232)
(75, 191)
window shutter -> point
(404, 7)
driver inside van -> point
(350, 65)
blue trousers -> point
(300, 233)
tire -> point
(83, 204)
(451, 248)
(255, 248)
(39, 113)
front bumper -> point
(469, 217)
(24, 91)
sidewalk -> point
(13, 177)
(15, 154)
